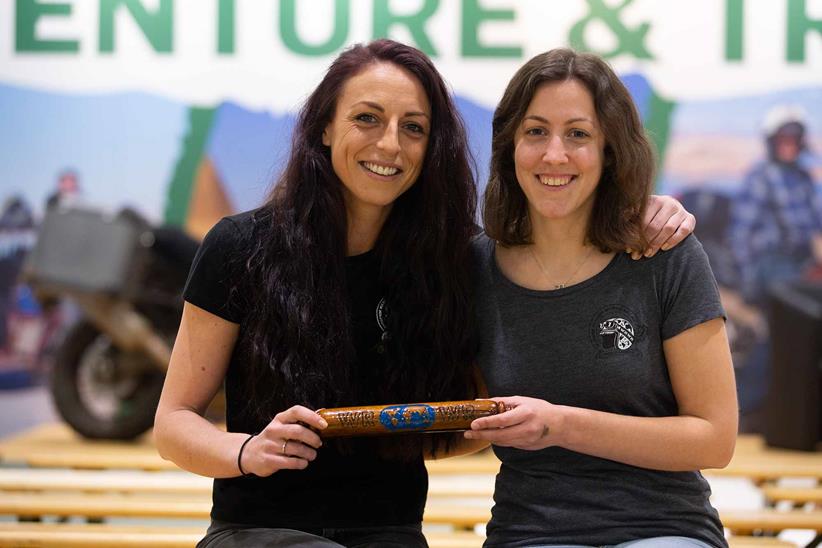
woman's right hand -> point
(286, 443)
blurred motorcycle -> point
(126, 279)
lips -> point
(555, 180)
(385, 171)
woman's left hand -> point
(527, 423)
(666, 224)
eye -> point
(366, 117)
(535, 132)
(415, 128)
(578, 134)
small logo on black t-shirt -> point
(616, 333)
(381, 314)
(615, 329)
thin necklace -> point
(545, 272)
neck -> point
(559, 240)
(364, 226)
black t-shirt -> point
(353, 488)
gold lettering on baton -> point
(356, 418)
(454, 412)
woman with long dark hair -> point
(350, 286)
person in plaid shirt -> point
(775, 236)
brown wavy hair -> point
(628, 164)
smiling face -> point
(378, 136)
(558, 151)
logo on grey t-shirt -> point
(616, 333)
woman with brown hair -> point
(621, 368)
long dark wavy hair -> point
(297, 334)
(628, 163)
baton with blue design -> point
(445, 416)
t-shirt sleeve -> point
(215, 278)
(689, 294)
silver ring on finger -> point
(285, 443)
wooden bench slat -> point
(758, 542)
(95, 535)
(770, 520)
(137, 481)
(133, 481)
(793, 494)
(102, 505)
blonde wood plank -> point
(454, 539)
(97, 505)
(483, 464)
(57, 446)
(50, 535)
(92, 535)
(130, 481)
(794, 494)
(458, 516)
(180, 482)
(758, 542)
(102, 505)
(746, 522)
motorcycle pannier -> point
(87, 250)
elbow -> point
(721, 452)
(160, 437)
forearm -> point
(195, 444)
(676, 443)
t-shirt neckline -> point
(500, 276)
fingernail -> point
(629, 251)
(635, 255)
(665, 247)
(323, 423)
(649, 252)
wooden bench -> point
(760, 463)
(798, 495)
(95, 535)
(770, 520)
(102, 505)
(106, 505)
(56, 446)
(759, 542)
(181, 482)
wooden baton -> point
(444, 416)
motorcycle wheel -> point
(101, 391)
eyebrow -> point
(544, 121)
(377, 106)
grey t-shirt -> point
(597, 345)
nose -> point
(555, 152)
(390, 140)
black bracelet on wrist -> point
(240, 455)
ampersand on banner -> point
(629, 41)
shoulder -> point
(481, 244)
(689, 249)
(232, 233)
(482, 249)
